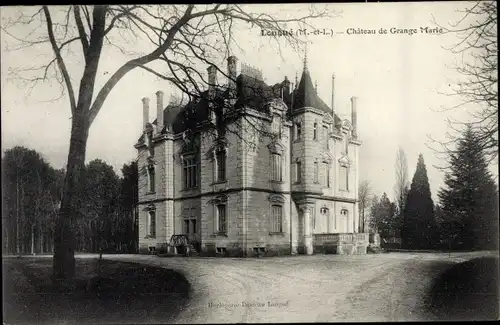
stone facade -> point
(263, 216)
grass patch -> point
(467, 291)
(102, 293)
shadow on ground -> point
(467, 291)
(119, 293)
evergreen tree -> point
(470, 197)
(419, 226)
(383, 216)
(129, 205)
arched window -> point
(343, 178)
(298, 172)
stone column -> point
(307, 230)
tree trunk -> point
(41, 240)
(32, 239)
(64, 236)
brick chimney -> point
(354, 116)
(212, 80)
(145, 112)
(231, 72)
(159, 111)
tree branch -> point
(60, 61)
(81, 31)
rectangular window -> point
(343, 177)
(276, 169)
(315, 131)
(152, 223)
(315, 171)
(151, 178)
(186, 226)
(277, 218)
(298, 172)
(221, 165)
(298, 131)
(190, 173)
(193, 226)
(325, 137)
(326, 174)
(221, 218)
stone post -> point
(307, 230)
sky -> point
(398, 79)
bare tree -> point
(478, 89)
(181, 37)
(365, 199)
(402, 181)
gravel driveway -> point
(319, 288)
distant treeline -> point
(31, 195)
(467, 216)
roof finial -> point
(316, 86)
(296, 80)
(305, 59)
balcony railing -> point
(341, 237)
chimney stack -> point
(212, 80)
(159, 111)
(145, 112)
(231, 71)
(354, 117)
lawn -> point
(467, 291)
(119, 293)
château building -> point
(279, 177)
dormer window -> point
(277, 126)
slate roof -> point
(251, 92)
(305, 96)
